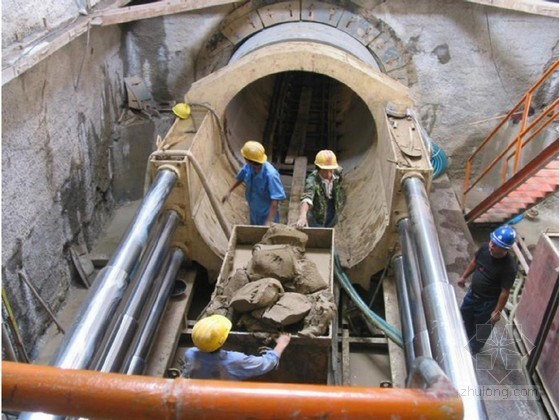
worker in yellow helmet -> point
(209, 361)
(263, 186)
(323, 197)
(182, 110)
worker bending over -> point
(263, 187)
(209, 361)
(494, 271)
(323, 197)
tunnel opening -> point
(298, 113)
(245, 106)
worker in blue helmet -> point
(494, 270)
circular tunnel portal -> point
(298, 95)
(298, 113)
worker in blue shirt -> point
(209, 361)
(263, 187)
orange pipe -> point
(522, 128)
(551, 69)
(47, 389)
(544, 114)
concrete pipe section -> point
(299, 88)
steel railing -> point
(527, 133)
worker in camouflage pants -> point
(323, 197)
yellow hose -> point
(14, 326)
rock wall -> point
(473, 62)
(24, 20)
(163, 51)
(57, 123)
(133, 142)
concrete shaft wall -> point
(464, 63)
(26, 20)
(57, 123)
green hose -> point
(392, 333)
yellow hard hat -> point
(182, 110)
(326, 159)
(254, 151)
(210, 333)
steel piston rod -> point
(404, 310)
(122, 335)
(81, 342)
(84, 338)
(135, 361)
(421, 339)
(447, 333)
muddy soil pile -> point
(279, 289)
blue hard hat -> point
(504, 237)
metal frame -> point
(546, 156)
(525, 136)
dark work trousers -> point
(476, 312)
(332, 217)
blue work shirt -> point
(227, 365)
(260, 190)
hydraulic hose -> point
(438, 160)
(392, 333)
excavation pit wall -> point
(307, 359)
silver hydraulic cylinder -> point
(448, 338)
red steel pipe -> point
(35, 388)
